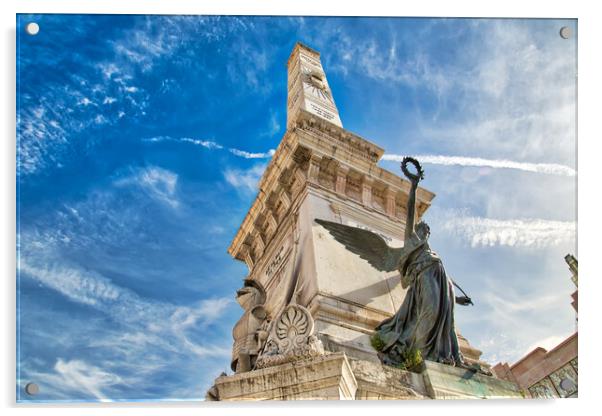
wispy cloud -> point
(125, 306)
(211, 145)
(250, 155)
(245, 180)
(159, 183)
(89, 288)
(547, 168)
(76, 374)
(536, 233)
(204, 143)
(138, 338)
(489, 95)
(273, 125)
(516, 318)
(208, 144)
(50, 118)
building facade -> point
(548, 374)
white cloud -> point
(39, 131)
(204, 143)
(71, 378)
(515, 233)
(159, 183)
(211, 145)
(146, 319)
(506, 91)
(273, 126)
(47, 122)
(547, 168)
(85, 102)
(246, 180)
(89, 288)
(77, 374)
(515, 320)
(249, 155)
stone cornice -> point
(267, 183)
(297, 162)
(337, 138)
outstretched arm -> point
(414, 178)
(411, 211)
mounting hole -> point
(32, 28)
(565, 32)
(32, 389)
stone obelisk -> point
(310, 306)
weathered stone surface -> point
(326, 377)
(378, 382)
(336, 377)
(448, 382)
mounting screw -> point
(32, 28)
(32, 389)
(565, 32)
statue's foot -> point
(474, 367)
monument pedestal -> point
(447, 382)
(328, 377)
(335, 377)
(310, 302)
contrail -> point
(514, 233)
(548, 168)
(208, 144)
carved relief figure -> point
(250, 332)
(425, 320)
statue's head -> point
(423, 230)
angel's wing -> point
(366, 244)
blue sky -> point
(141, 140)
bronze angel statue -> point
(425, 320)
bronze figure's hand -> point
(464, 300)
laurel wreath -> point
(412, 176)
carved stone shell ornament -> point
(291, 338)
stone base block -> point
(380, 382)
(327, 377)
(336, 377)
(447, 382)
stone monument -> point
(310, 305)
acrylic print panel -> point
(154, 264)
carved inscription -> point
(322, 112)
(276, 262)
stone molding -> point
(298, 163)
